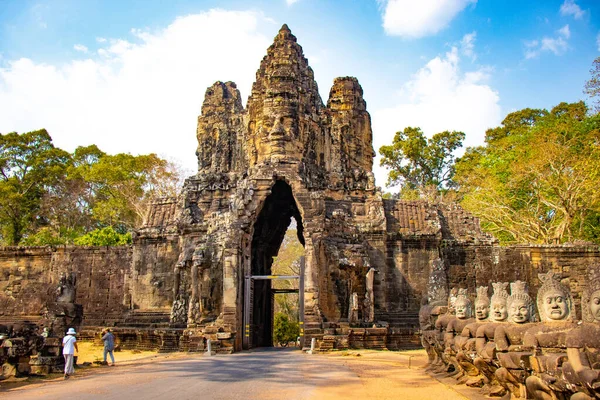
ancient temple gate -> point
(258, 323)
(287, 155)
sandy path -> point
(263, 375)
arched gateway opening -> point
(269, 230)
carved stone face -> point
(595, 305)
(482, 310)
(499, 311)
(555, 305)
(277, 135)
(519, 311)
(462, 309)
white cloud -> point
(101, 40)
(565, 32)
(467, 45)
(557, 45)
(440, 97)
(414, 19)
(290, 2)
(81, 48)
(139, 96)
(569, 7)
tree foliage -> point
(287, 263)
(416, 162)
(49, 196)
(284, 329)
(30, 166)
(535, 180)
(592, 87)
(104, 237)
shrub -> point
(284, 330)
(104, 237)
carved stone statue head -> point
(499, 309)
(277, 132)
(590, 299)
(554, 299)
(463, 305)
(482, 304)
(520, 305)
(437, 287)
(452, 301)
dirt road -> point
(264, 374)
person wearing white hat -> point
(69, 347)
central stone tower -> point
(286, 155)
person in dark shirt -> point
(109, 344)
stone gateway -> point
(200, 267)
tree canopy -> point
(30, 166)
(50, 196)
(416, 162)
(536, 179)
(592, 87)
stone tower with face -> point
(554, 300)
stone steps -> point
(146, 319)
(399, 318)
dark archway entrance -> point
(269, 231)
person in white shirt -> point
(69, 347)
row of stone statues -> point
(503, 345)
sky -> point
(130, 76)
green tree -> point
(122, 186)
(68, 205)
(592, 87)
(284, 329)
(30, 166)
(287, 263)
(535, 180)
(416, 162)
(104, 237)
(48, 196)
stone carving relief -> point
(512, 352)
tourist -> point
(69, 347)
(109, 345)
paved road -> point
(265, 374)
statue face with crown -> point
(590, 299)
(482, 310)
(462, 305)
(595, 305)
(482, 304)
(520, 305)
(554, 299)
(555, 305)
(519, 311)
(498, 303)
(499, 311)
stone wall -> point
(113, 280)
(29, 278)
(149, 279)
(403, 283)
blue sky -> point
(130, 76)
